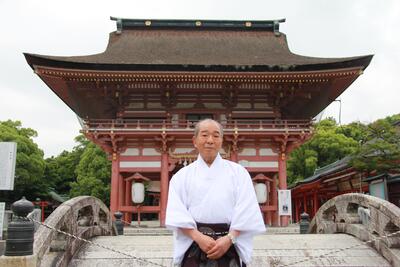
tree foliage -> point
(329, 143)
(83, 171)
(93, 174)
(381, 149)
(30, 165)
(60, 171)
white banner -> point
(8, 155)
(285, 202)
(2, 210)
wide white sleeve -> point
(247, 216)
(178, 215)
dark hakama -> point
(195, 257)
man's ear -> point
(194, 141)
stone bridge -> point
(339, 230)
(83, 217)
(364, 217)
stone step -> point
(160, 231)
(128, 231)
(269, 250)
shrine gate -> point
(140, 98)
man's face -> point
(209, 141)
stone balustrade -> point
(83, 217)
(365, 217)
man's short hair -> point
(197, 126)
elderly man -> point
(212, 206)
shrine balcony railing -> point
(129, 125)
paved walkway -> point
(153, 228)
(143, 231)
(269, 250)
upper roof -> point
(325, 170)
(198, 45)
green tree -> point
(302, 163)
(30, 164)
(61, 170)
(381, 150)
(93, 174)
(328, 144)
(355, 130)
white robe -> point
(221, 193)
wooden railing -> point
(156, 124)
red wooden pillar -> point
(128, 200)
(121, 192)
(234, 147)
(268, 214)
(268, 219)
(315, 203)
(274, 200)
(234, 156)
(164, 183)
(283, 182)
(305, 202)
(297, 204)
(114, 184)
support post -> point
(121, 192)
(283, 182)
(114, 183)
(274, 200)
(315, 203)
(305, 202)
(267, 218)
(234, 155)
(164, 179)
(235, 147)
(128, 200)
(164, 183)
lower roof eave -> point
(361, 62)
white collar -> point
(216, 161)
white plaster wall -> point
(131, 152)
(140, 164)
(267, 152)
(248, 152)
(150, 152)
(182, 150)
(259, 164)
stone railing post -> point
(118, 223)
(19, 243)
(304, 223)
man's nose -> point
(210, 139)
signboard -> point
(2, 209)
(8, 155)
(285, 202)
(378, 189)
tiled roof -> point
(180, 45)
(328, 169)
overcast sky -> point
(319, 28)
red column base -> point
(284, 221)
